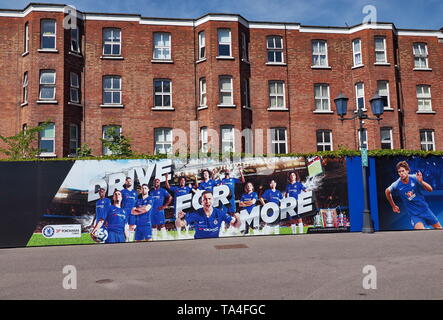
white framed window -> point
(321, 97)
(163, 140)
(162, 46)
(112, 42)
(74, 88)
(380, 50)
(225, 90)
(274, 46)
(46, 143)
(25, 87)
(26, 38)
(356, 47)
(201, 45)
(246, 93)
(279, 140)
(324, 140)
(203, 99)
(75, 39)
(383, 91)
(227, 138)
(73, 139)
(244, 47)
(224, 42)
(427, 140)
(47, 85)
(48, 34)
(204, 143)
(162, 93)
(365, 138)
(108, 136)
(277, 94)
(360, 95)
(424, 98)
(319, 53)
(112, 90)
(420, 55)
(386, 139)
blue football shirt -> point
(272, 196)
(411, 195)
(294, 189)
(144, 218)
(207, 227)
(116, 218)
(248, 197)
(129, 198)
(101, 209)
(158, 196)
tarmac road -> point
(409, 265)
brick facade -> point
(138, 69)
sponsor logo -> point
(62, 231)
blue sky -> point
(413, 14)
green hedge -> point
(328, 154)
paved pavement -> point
(409, 265)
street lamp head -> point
(341, 102)
(377, 105)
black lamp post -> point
(377, 106)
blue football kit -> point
(272, 196)
(129, 198)
(179, 191)
(207, 227)
(413, 200)
(230, 182)
(248, 197)
(158, 196)
(143, 221)
(207, 185)
(294, 189)
(116, 219)
(101, 209)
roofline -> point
(239, 18)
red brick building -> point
(218, 74)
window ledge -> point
(75, 104)
(24, 104)
(224, 58)
(47, 102)
(382, 64)
(47, 155)
(425, 112)
(422, 69)
(355, 111)
(200, 60)
(48, 50)
(24, 54)
(275, 64)
(161, 61)
(226, 106)
(112, 105)
(323, 112)
(321, 67)
(76, 54)
(202, 107)
(247, 107)
(163, 108)
(388, 109)
(245, 61)
(357, 67)
(277, 109)
(112, 58)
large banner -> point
(410, 192)
(109, 201)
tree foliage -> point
(24, 144)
